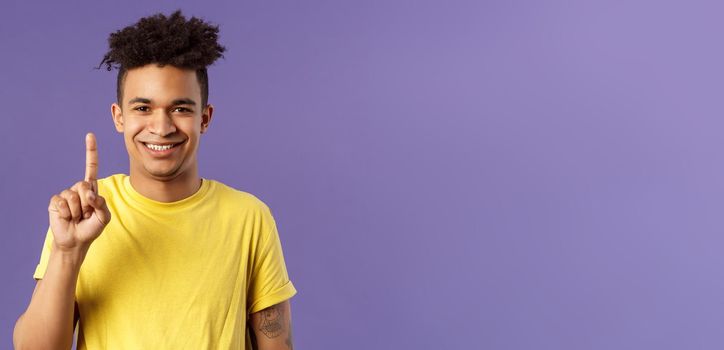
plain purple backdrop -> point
(444, 174)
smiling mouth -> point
(160, 147)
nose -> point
(161, 124)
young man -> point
(160, 259)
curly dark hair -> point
(164, 40)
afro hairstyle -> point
(172, 40)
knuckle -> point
(72, 197)
(58, 203)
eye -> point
(182, 109)
(142, 108)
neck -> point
(167, 190)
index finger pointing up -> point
(91, 159)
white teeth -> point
(158, 147)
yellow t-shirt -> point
(180, 275)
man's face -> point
(161, 119)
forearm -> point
(48, 321)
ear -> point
(206, 116)
(117, 116)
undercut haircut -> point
(173, 40)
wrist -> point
(70, 256)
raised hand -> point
(78, 215)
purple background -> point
(445, 175)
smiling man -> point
(161, 258)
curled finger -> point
(84, 188)
(73, 200)
(60, 206)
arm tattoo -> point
(271, 321)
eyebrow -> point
(139, 100)
(178, 101)
(183, 101)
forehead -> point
(161, 84)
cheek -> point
(128, 135)
(190, 128)
(130, 143)
(132, 129)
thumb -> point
(101, 209)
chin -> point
(164, 173)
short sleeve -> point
(44, 256)
(270, 282)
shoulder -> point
(114, 180)
(236, 197)
(241, 205)
(110, 185)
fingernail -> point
(87, 215)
